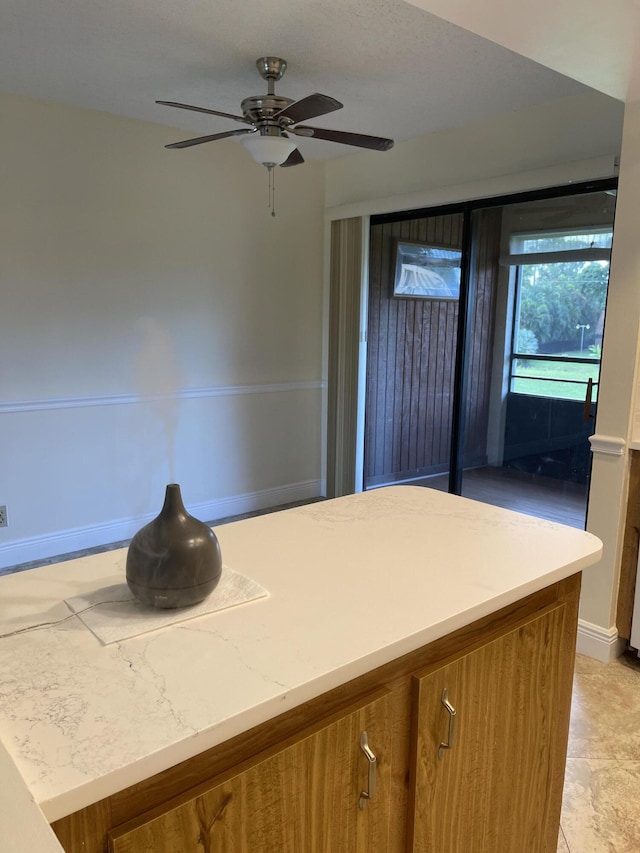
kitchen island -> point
(377, 603)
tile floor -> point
(601, 804)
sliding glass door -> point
(485, 328)
(549, 293)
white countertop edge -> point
(98, 789)
(22, 824)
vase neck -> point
(173, 499)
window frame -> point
(564, 256)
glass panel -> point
(427, 271)
(535, 335)
(551, 378)
(560, 308)
(561, 241)
(413, 309)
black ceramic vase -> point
(175, 560)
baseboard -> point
(78, 538)
(603, 644)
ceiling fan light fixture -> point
(268, 150)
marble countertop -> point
(353, 583)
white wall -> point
(570, 140)
(607, 506)
(588, 40)
(130, 271)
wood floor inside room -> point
(532, 494)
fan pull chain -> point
(272, 190)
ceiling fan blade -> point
(294, 159)
(360, 140)
(204, 110)
(310, 107)
(187, 143)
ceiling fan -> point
(272, 118)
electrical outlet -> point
(3, 516)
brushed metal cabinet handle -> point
(373, 764)
(450, 742)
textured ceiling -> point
(399, 71)
(588, 40)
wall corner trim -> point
(603, 644)
(610, 445)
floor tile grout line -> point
(603, 758)
(565, 838)
(583, 676)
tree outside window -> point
(559, 314)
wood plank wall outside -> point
(411, 353)
(411, 345)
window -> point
(560, 291)
(425, 271)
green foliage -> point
(554, 298)
(527, 342)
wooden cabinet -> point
(302, 798)
(292, 784)
(488, 792)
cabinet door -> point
(490, 793)
(303, 798)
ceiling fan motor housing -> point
(261, 109)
